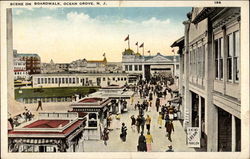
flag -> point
(142, 45)
(136, 43)
(127, 38)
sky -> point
(68, 34)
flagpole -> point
(137, 47)
(128, 44)
(143, 49)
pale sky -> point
(68, 34)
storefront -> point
(229, 132)
(51, 132)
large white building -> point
(79, 79)
(135, 63)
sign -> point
(186, 117)
(193, 136)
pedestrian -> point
(138, 123)
(143, 121)
(39, 105)
(149, 140)
(142, 143)
(141, 112)
(105, 136)
(117, 121)
(166, 120)
(157, 103)
(133, 121)
(160, 120)
(170, 149)
(132, 100)
(123, 132)
(109, 120)
(165, 93)
(148, 121)
(137, 105)
(169, 129)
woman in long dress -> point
(118, 121)
(160, 120)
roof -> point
(179, 42)
(45, 132)
(26, 54)
(90, 100)
(171, 58)
(128, 52)
(47, 124)
(206, 12)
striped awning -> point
(35, 141)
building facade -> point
(210, 81)
(33, 62)
(147, 66)
(20, 72)
(80, 79)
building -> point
(51, 132)
(33, 62)
(147, 66)
(210, 76)
(97, 111)
(88, 66)
(20, 72)
(117, 94)
(54, 67)
(79, 79)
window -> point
(45, 80)
(62, 80)
(77, 80)
(38, 80)
(55, 80)
(136, 67)
(130, 67)
(219, 58)
(48, 80)
(113, 78)
(233, 56)
(126, 67)
(67, 80)
(103, 78)
(42, 80)
(118, 79)
(52, 80)
(73, 80)
(203, 61)
(140, 67)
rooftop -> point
(90, 100)
(47, 124)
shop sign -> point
(193, 136)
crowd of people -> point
(158, 87)
(20, 118)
